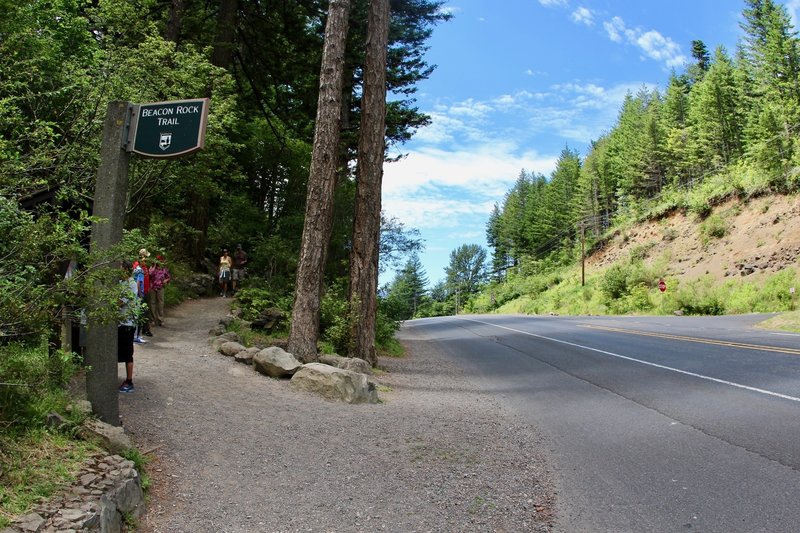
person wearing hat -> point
(239, 262)
(142, 276)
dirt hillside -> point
(761, 236)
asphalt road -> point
(654, 423)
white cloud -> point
(435, 187)
(553, 3)
(793, 6)
(660, 48)
(583, 15)
(652, 43)
(470, 108)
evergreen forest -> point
(725, 127)
(64, 62)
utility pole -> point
(583, 253)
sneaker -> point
(139, 340)
(148, 333)
(126, 387)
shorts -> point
(225, 275)
(238, 274)
(125, 344)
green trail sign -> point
(168, 129)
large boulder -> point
(275, 362)
(111, 438)
(335, 383)
(346, 363)
(246, 356)
(225, 337)
(231, 348)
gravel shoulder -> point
(235, 451)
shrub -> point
(32, 383)
(700, 297)
(255, 300)
(615, 282)
(714, 227)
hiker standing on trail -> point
(239, 262)
(159, 277)
(225, 264)
(129, 304)
(143, 279)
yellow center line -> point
(792, 351)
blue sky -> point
(517, 81)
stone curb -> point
(108, 490)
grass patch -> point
(789, 321)
(34, 466)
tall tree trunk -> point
(321, 183)
(225, 37)
(369, 175)
(173, 30)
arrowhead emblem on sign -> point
(165, 140)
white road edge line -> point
(648, 363)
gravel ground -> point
(235, 451)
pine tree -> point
(369, 176)
(322, 180)
(715, 115)
(408, 290)
(467, 269)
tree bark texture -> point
(369, 176)
(173, 30)
(321, 184)
(225, 37)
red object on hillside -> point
(662, 285)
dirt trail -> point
(238, 452)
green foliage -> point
(725, 127)
(254, 300)
(700, 297)
(140, 464)
(31, 383)
(406, 294)
(615, 282)
(467, 269)
(34, 465)
(336, 320)
(713, 227)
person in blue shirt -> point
(129, 304)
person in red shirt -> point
(159, 278)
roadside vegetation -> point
(726, 127)
(723, 129)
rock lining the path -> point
(106, 495)
(334, 377)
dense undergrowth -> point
(630, 285)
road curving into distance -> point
(654, 423)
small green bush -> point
(615, 282)
(255, 300)
(32, 383)
(700, 297)
(713, 227)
